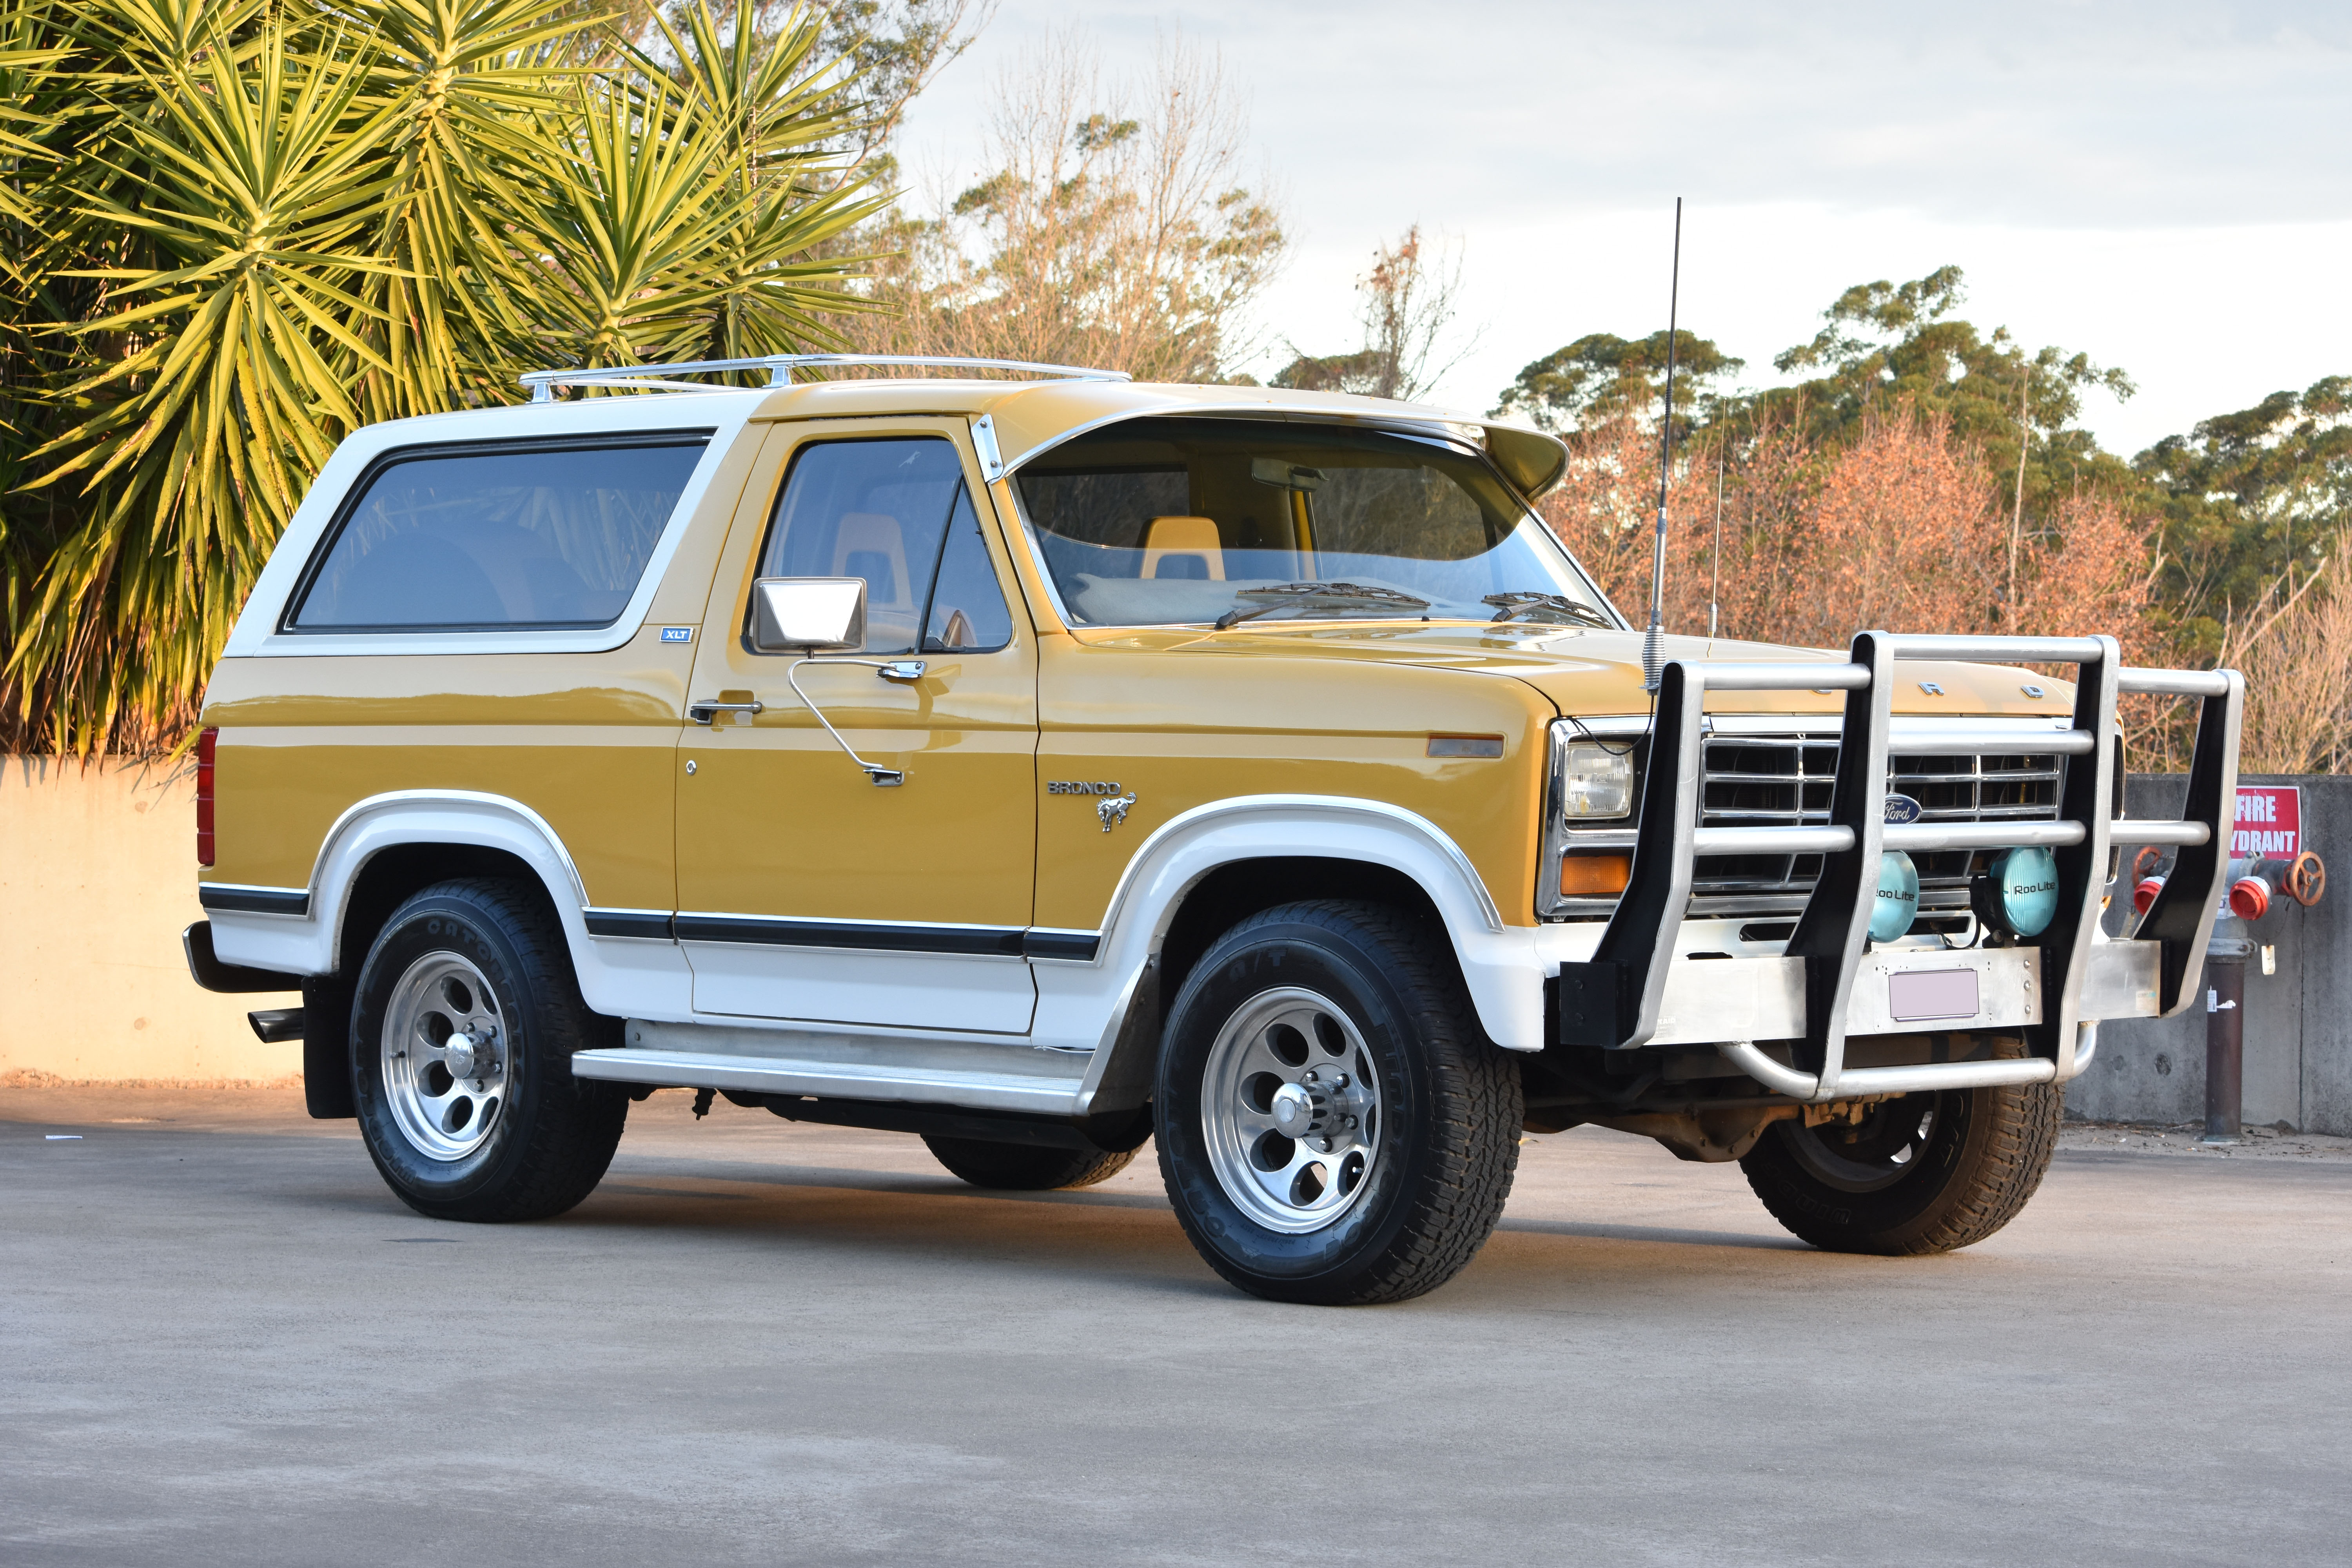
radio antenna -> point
(1650, 651)
(1715, 594)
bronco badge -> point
(1113, 811)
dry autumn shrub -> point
(2297, 659)
(1901, 528)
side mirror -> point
(807, 614)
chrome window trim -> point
(257, 632)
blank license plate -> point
(1915, 995)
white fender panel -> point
(617, 975)
(1080, 1002)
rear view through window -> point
(499, 537)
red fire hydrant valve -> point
(2306, 879)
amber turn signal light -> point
(1585, 876)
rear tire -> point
(1334, 1127)
(1021, 1168)
(1922, 1174)
(466, 1017)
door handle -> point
(704, 712)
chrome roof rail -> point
(779, 368)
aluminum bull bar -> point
(1830, 982)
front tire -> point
(1333, 1126)
(1920, 1173)
(462, 1033)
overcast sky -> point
(2166, 186)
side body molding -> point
(616, 976)
(1082, 1004)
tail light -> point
(206, 742)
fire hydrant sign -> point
(2270, 821)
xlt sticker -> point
(678, 634)
(1064, 786)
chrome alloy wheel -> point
(1290, 1111)
(444, 1056)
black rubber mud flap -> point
(327, 1048)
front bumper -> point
(1642, 986)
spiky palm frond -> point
(225, 396)
(239, 229)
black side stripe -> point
(650, 924)
(990, 941)
(1081, 945)
(254, 900)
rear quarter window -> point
(501, 536)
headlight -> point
(1596, 781)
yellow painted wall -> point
(96, 880)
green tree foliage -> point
(238, 231)
(2254, 499)
(1601, 374)
(1886, 343)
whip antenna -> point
(1650, 659)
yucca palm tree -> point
(239, 231)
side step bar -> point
(974, 1075)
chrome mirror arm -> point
(903, 670)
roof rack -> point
(779, 368)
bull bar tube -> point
(1827, 975)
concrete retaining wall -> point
(98, 878)
(2298, 1023)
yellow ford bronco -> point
(1039, 765)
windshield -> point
(1164, 522)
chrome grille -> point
(1754, 781)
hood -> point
(1595, 673)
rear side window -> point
(503, 537)
(895, 512)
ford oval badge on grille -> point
(1901, 808)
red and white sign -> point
(2270, 821)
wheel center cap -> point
(1293, 1111)
(464, 1056)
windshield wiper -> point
(1319, 597)
(1544, 607)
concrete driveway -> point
(221, 1340)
